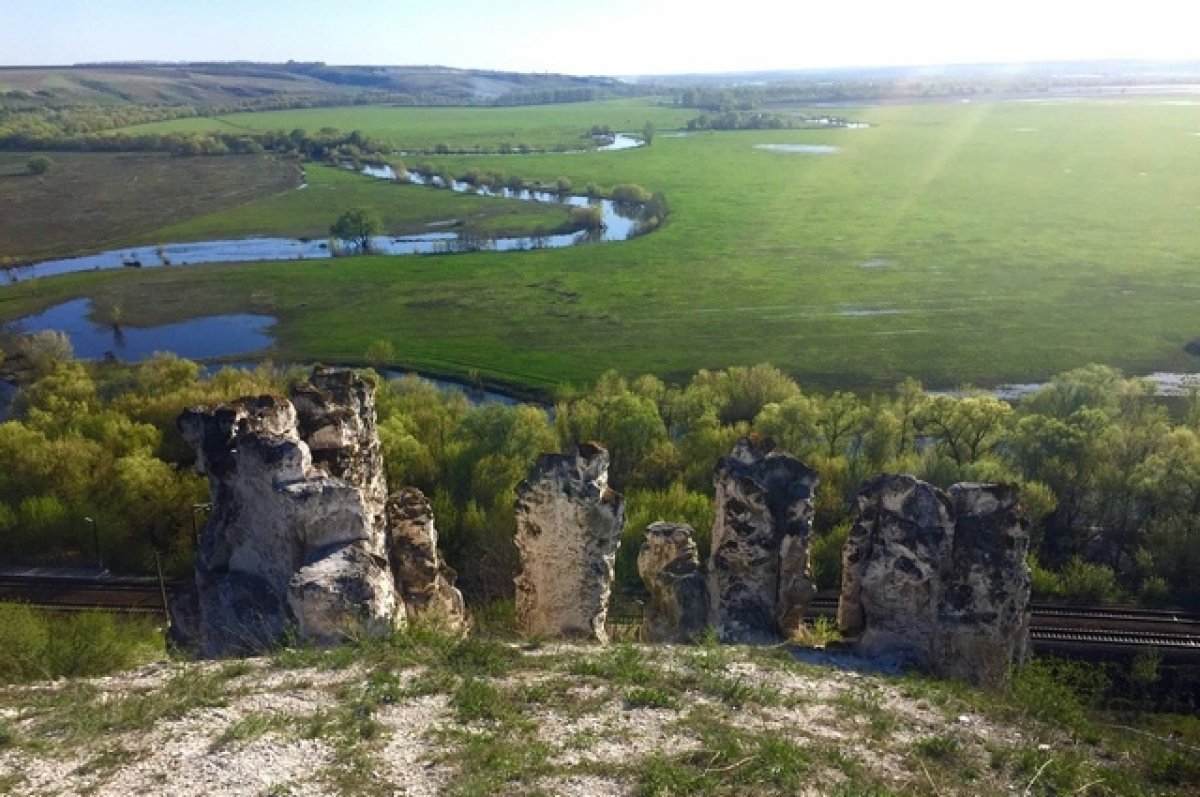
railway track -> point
(1100, 632)
(78, 592)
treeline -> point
(1110, 480)
(865, 86)
(744, 120)
(328, 144)
(761, 120)
(29, 115)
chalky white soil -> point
(596, 740)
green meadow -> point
(956, 243)
(539, 126)
(402, 208)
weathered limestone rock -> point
(297, 536)
(336, 417)
(983, 614)
(670, 568)
(892, 567)
(938, 580)
(426, 582)
(758, 575)
(345, 592)
(569, 524)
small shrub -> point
(650, 697)
(1058, 691)
(481, 657)
(1174, 768)
(1154, 590)
(1045, 583)
(495, 618)
(1092, 583)
(586, 218)
(817, 634)
(937, 748)
(477, 700)
(39, 164)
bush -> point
(631, 193)
(1091, 583)
(39, 164)
(1154, 590)
(36, 645)
(1046, 584)
(588, 218)
(1060, 691)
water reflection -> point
(197, 339)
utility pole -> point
(96, 541)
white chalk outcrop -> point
(297, 539)
(569, 524)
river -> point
(621, 221)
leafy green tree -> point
(648, 133)
(742, 391)
(356, 226)
(965, 428)
(380, 352)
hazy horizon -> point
(617, 37)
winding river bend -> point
(620, 222)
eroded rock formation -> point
(297, 537)
(938, 579)
(426, 582)
(892, 566)
(983, 614)
(668, 562)
(758, 575)
(569, 524)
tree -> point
(648, 133)
(380, 353)
(39, 164)
(356, 226)
(965, 428)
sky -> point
(598, 37)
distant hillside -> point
(1131, 72)
(211, 85)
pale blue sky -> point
(597, 36)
